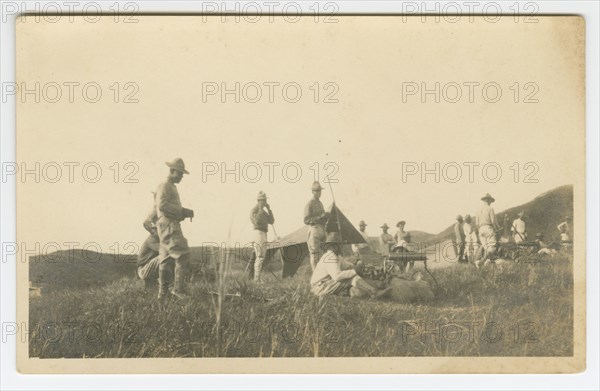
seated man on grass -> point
(334, 276)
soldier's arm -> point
(308, 219)
(336, 273)
(166, 205)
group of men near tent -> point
(164, 255)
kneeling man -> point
(148, 260)
(334, 276)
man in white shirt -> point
(518, 228)
(565, 229)
(334, 276)
(358, 248)
(487, 226)
(470, 238)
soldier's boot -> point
(179, 287)
(373, 292)
(165, 276)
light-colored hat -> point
(177, 164)
(261, 196)
(401, 222)
(384, 226)
(333, 237)
(521, 214)
(316, 186)
(539, 235)
(362, 222)
(459, 217)
(487, 196)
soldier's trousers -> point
(316, 237)
(174, 254)
(260, 249)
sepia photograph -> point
(236, 192)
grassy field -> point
(513, 309)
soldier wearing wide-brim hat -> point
(359, 248)
(315, 217)
(173, 248)
(261, 216)
(335, 276)
(488, 197)
(177, 165)
(488, 227)
(386, 241)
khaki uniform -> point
(316, 234)
(385, 240)
(260, 220)
(470, 240)
(173, 245)
(487, 226)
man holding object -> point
(260, 219)
(173, 245)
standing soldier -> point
(488, 226)
(470, 238)
(402, 239)
(316, 217)
(386, 240)
(356, 248)
(518, 228)
(459, 241)
(565, 229)
(260, 219)
(173, 245)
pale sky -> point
(368, 134)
